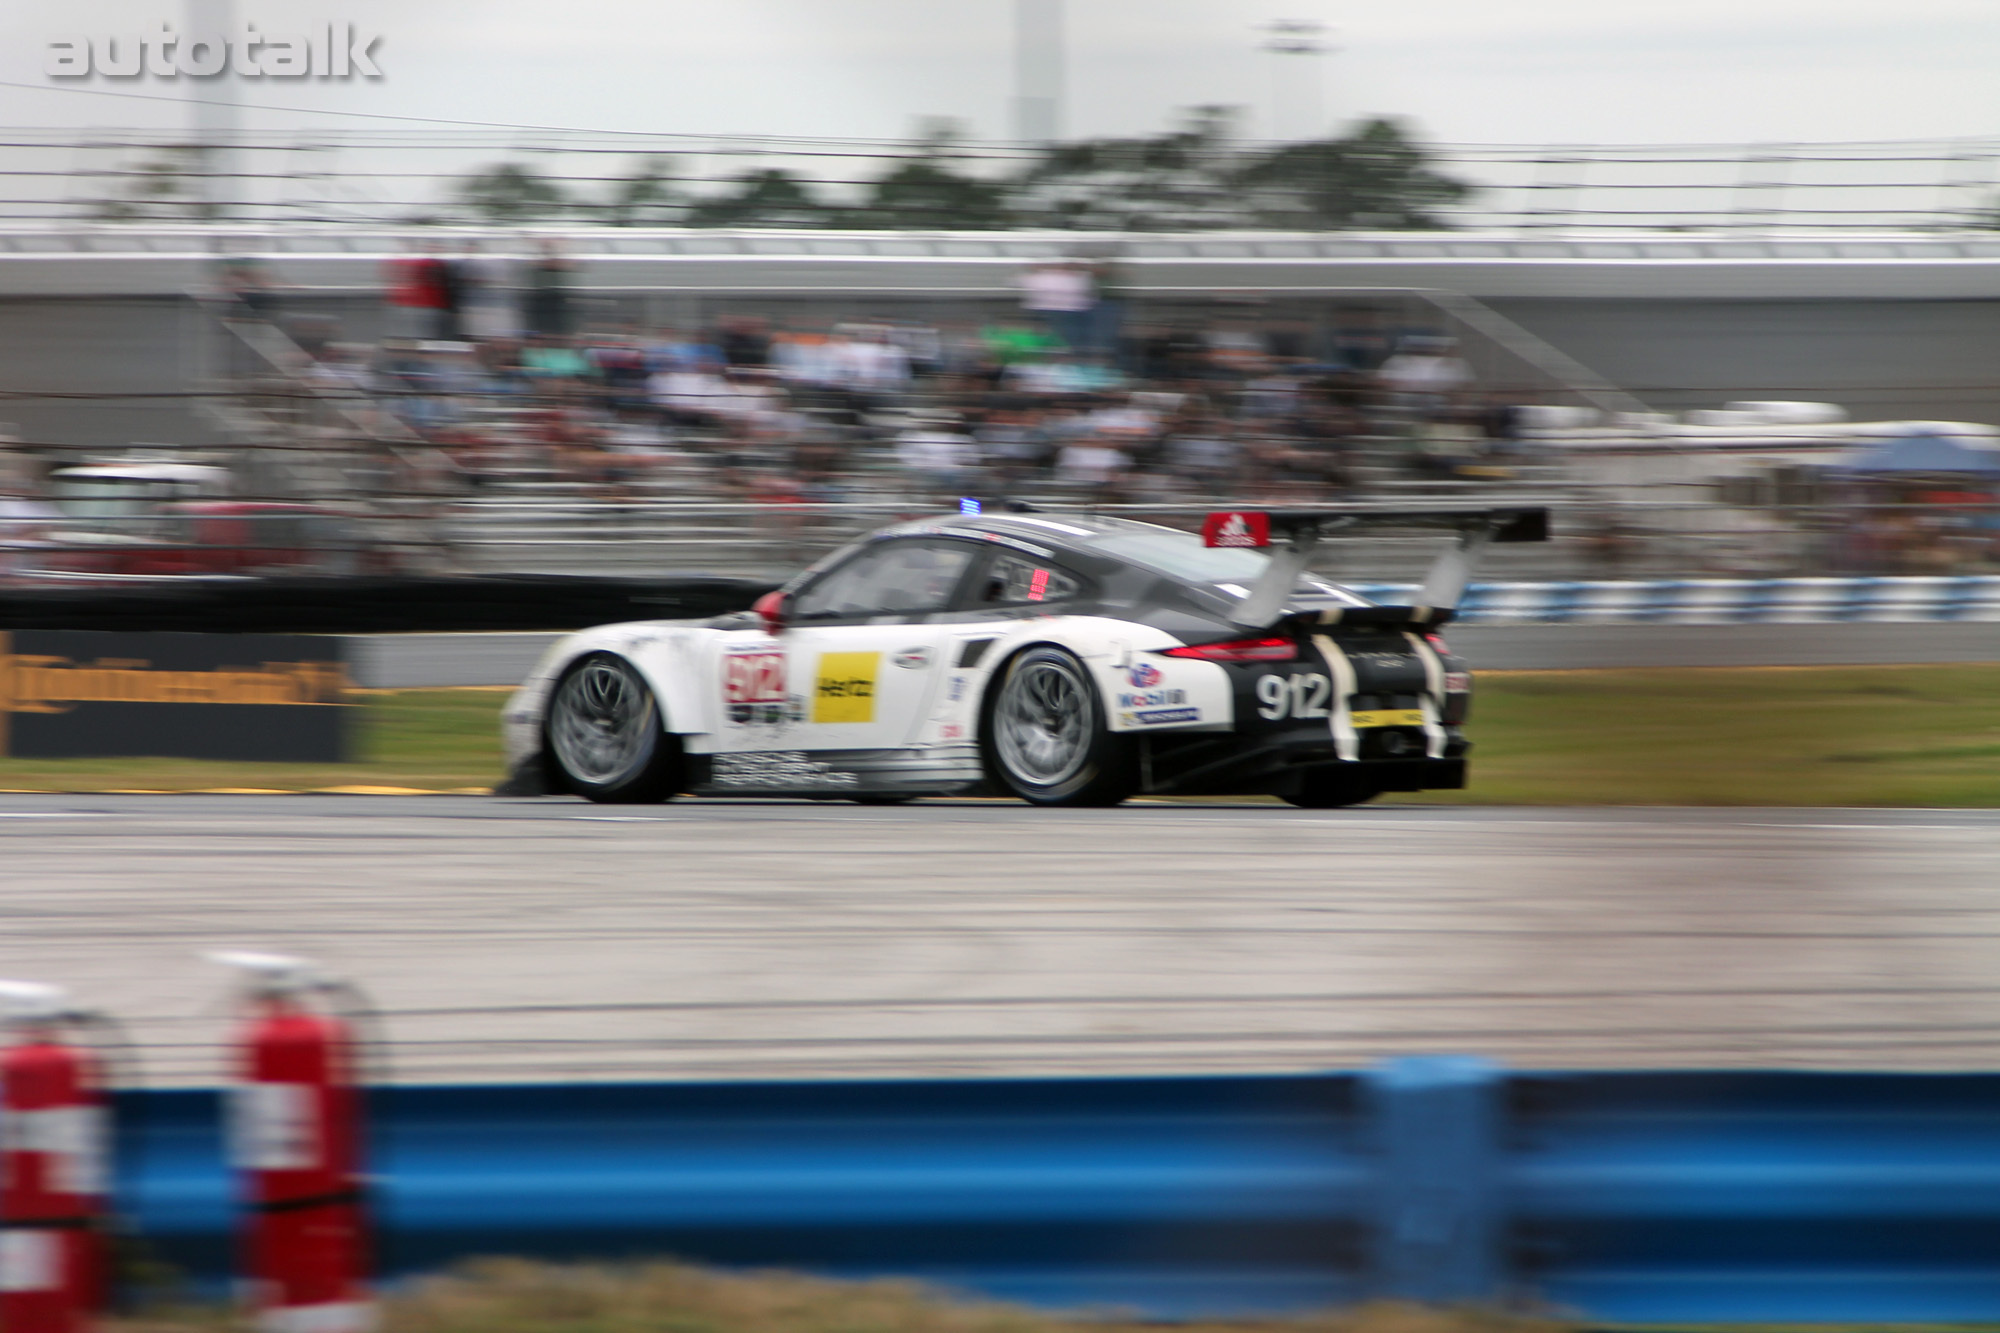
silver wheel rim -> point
(602, 723)
(1042, 723)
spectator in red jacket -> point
(420, 295)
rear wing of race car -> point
(1291, 535)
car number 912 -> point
(1301, 695)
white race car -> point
(1063, 659)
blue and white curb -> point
(1720, 601)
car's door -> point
(867, 643)
(858, 660)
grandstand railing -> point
(364, 177)
(1594, 537)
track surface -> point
(552, 939)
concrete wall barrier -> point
(1974, 598)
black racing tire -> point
(1331, 789)
(1044, 738)
(604, 737)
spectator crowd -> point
(487, 360)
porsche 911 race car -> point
(1063, 659)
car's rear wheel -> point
(1045, 737)
(1331, 789)
(604, 734)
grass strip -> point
(515, 1296)
(413, 740)
(1800, 736)
(1712, 736)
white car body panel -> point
(866, 699)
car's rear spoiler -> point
(1291, 535)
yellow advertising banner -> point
(90, 693)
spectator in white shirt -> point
(941, 455)
(1062, 296)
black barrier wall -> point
(374, 606)
(71, 694)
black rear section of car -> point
(1350, 658)
(1286, 711)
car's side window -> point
(1014, 580)
(888, 578)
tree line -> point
(1194, 177)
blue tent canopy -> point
(1925, 453)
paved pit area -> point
(550, 939)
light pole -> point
(1295, 37)
(1038, 70)
(214, 115)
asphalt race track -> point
(511, 939)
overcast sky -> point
(1464, 71)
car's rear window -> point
(1181, 555)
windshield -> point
(121, 507)
(98, 497)
(1181, 555)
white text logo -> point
(323, 51)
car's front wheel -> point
(1045, 736)
(605, 736)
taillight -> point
(1437, 641)
(1457, 698)
(1238, 650)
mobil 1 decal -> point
(753, 689)
(1148, 703)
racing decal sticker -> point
(845, 688)
(955, 688)
(913, 659)
(753, 689)
(1161, 716)
(1388, 717)
(1152, 699)
(1236, 529)
(1302, 694)
(1144, 676)
(780, 770)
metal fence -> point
(1612, 541)
(349, 176)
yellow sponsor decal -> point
(1389, 717)
(844, 690)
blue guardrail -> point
(1642, 1197)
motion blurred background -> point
(669, 287)
(683, 291)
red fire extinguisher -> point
(53, 1178)
(296, 1138)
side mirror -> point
(771, 609)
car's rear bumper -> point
(1236, 765)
